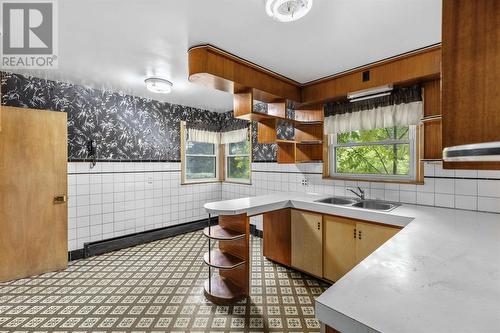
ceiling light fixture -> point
(288, 10)
(158, 85)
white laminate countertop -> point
(441, 273)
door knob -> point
(59, 199)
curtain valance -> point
(403, 107)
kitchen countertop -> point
(441, 273)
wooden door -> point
(277, 239)
(340, 246)
(371, 237)
(307, 242)
(33, 170)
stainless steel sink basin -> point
(338, 201)
(376, 205)
(364, 204)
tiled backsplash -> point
(462, 189)
(115, 199)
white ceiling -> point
(116, 44)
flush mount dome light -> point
(158, 85)
(288, 10)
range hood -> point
(478, 152)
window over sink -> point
(378, 154)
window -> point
(200, 162)
(382, 153)
(238, 162)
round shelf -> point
(221, 260)
(219, 233)
(222, 291)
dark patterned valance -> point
(398, 96)
(203, 125)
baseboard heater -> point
(118, 243)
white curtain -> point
(203, 136)
(234, 136)
(384, 116)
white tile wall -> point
(462, 189)
(115, 199)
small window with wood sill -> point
(199, 161)
(238, 162)
(376, 154)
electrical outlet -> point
(304, 182)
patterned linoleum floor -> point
(157, 287)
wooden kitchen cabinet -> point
(307, 241)
(371, 237)
(340, 247)
(470, 72)
(276, 234)
(347, 242)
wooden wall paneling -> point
(277, 109)
(286, 152)
(471, 68)
(266, 131)
(309, 132)
(277, 236)
(309, 115)
(308, 152)
(433, 148)
(432, 98)
(33, 229)
(243, 105)
(221, 70)
(415, 66)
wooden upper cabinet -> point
(307, 242)
(433, 148)
(470, 73)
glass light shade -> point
(158, 85)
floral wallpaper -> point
(124, 127)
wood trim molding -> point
(218, 69)
(224, 71)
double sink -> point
(360, 203)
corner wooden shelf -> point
(231, 258)
(218, 233)
(221, 260)
(223, 291)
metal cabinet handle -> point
(59, 199)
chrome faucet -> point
(361, 193)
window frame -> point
(226, 168)
(184, 155)
(412, 176)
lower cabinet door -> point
(276, 230)
(307, 242)
(370, 237)
(339, 247)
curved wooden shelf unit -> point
(218, 233)
(220, 260)
(220, 290)
(231, 259)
